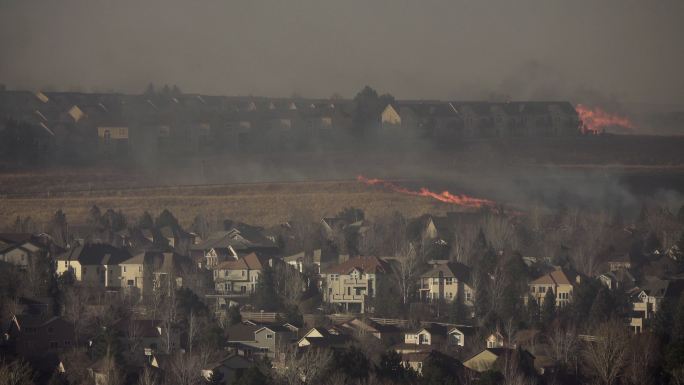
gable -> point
(390, 115)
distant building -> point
(557, 282)
(353, 283)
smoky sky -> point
(460, 49)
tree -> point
(148, 377)
(288, 283)
(606, 356)
(441, 369)
(164, 219)
(406, 270)
(252, 376)
(265, 295)
(234, 316)
(16, 373)
(391, 369)
(367, 106)
(145, 221)
(216, 378)
(58, 228)
(548, 311)
(564, 346)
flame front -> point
(444, 196)
(596, 119)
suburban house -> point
(446, 281)
(230, 368)
(18, 249)
(148, 337)
(619, 261)
(490, 358)
(416, 360)
(352, 283)
(388, 334)
(557, 282)
(229, 245)
(34, 336)
(648, 297)
(150, 271)
(300, 260)
(460, 335)
(94, 264)
(240, 276)
(620, 278)
(497, 340)
(432, 336)
(322, 338)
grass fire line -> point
(444, 196)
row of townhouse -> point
(188, 122)
(109, 267)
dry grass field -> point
(258, 203)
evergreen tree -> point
(58, 228)
(265, 296)
(166, 219)
(252, 376)
(601, 307)
(234, 316)
(548, 310)
(145, 221)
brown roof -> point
(248, 262)
(365, 264)
(556, 277)
(241, 332)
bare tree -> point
(109, 373)
(500, 232)
(606, 356)
(186, 369)
(462, 244)
(148, 377)
(15, 373)
(406, 270)
(289, 283)
(169, 319)
(299, 368)
(75, 308)
(642, 357)
(564, 346)
(133, 335)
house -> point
(388, 334)
(351, 284)
(497, 340)
(460, 335)
(321, 338)
(300, 260)
(177, 238)
(148, 337)
(94, 264)
(229, 245)
(620, 278)
(431, 336)
(648, 297)
(240, 276)
(619, 261)
(557, 282)
(446, 281)
(274, 339)
(20, 248)
(230, 368)
(151, 271)
(490, 358)
(33, 335)
(416, 360)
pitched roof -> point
(448, 270)
(556, 277)
(372, 265)
(95, 254)
(251, 261)
(241, 332)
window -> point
(124, 269)
(54, 345)
(130, 282)
(140, 269)
(449, 281)
(542, 289)
(269, 336)
(467, 296)
(243, 273)
(534, 289)
(67, 343)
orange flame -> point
(596, 119)
(444, 196)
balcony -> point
(348, 297)
(355, 282)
